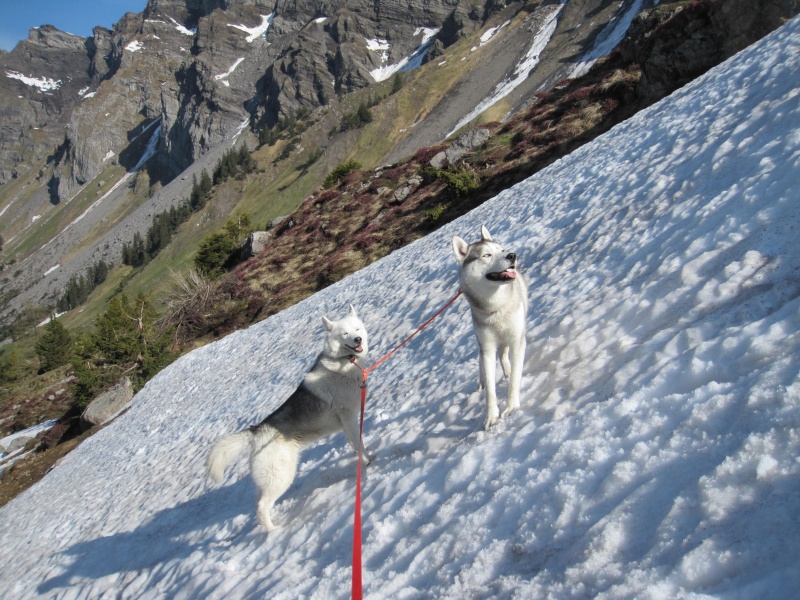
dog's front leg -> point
(517, 356)
(488, 362)
(505, 363)
(351, 430)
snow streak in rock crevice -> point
(521, 71)
(608, 39)
(409, 63)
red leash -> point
(357, 589)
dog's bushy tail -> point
(225, 450)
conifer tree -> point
(205, 184)
(153, 343)
(12, 366)
(54, 346)
(99, 273)
(139, 253)
(195, 198)
(364, 114)
(246, 163)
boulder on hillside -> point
(108, 404)
(465, 143)
(254, 244)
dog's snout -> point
(358, 340)
(512, 257)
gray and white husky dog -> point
(327, 401)
(498, 298)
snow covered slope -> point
(656, 451)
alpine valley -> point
(315, 136)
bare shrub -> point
(620, 79)
(191, 297)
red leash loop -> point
(357, 586)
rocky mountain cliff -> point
(204, 69)
(98, 134)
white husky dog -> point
(327, 401)
(498, 298)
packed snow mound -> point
(655, 452)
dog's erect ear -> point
(485, 235)
(327, 322)
(460, 249)
(352, 312)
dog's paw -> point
(510, 409)
(366, 457)
(490, 421)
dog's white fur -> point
(327, 401)
(498, 298)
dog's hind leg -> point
(273, 468)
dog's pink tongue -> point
(509, 274)
(359, 348)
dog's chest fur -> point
(488, 298)
(334, 380)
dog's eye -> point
(487, 255)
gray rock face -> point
(206, 68)
(17, 444)
(726, 28)
(40, 85)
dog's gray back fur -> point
(332, 386)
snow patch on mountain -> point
(488, 35)
(152, 146)
(43, 84)
(608, 39)
(255, 32)
(182, 29)
(134, 46)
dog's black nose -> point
(357, 340)
(512, 257)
